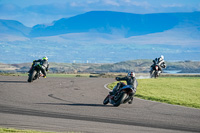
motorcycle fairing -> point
(127, 86)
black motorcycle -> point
(122, 96)
(155, 72)
(35, 72)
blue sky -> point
(32, 12)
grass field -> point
(67, 75)
(184, 91)
(51, 75)
(12, 130)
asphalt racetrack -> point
(75, 104)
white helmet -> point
(131, 74)
(45, 58)
(162, 57)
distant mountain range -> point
(108, 22)
(138, 66)
(13, 27)
(103, 36)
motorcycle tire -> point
(156, 74)
(120, 100)
(152, 74)
(31, 76)
(106, 100)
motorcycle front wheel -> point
(156, 74)
(106, 100)
(31, 76)
(152, 74)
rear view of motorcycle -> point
(156, 68)
(35, 72)
(155, 72)
(122, 96)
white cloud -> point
(136, 3)
(50, 10)
(111, 2)
(73, 4)
(92, 1)
(172, 5)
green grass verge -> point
(51, 75)
(183, 91)
(11, 130)
(68, 75)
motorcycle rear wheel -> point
(120, 100)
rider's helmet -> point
(45, 58)
(131, 74)
(162, 57)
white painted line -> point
(105, 86)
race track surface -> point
(75, 104)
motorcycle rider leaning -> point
(160, 62)
(131, 80)
(44, 65)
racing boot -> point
(130, 101)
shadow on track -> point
(13, 82)
(70, 103)
(78, 104)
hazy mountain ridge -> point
(13, 27)
(138, 66)
(109, 22)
